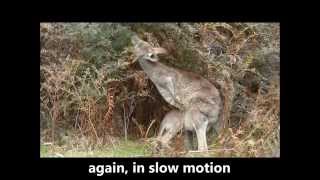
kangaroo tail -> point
(226, 89)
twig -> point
(212, 150)
(138, 125)
(94, 130)
(124, 121)
(152, 122)
(77, 123)
(47, 143)
(111, 140)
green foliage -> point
(100, 44)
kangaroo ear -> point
(160, 51)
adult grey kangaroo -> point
(196, 97)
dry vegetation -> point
(95, 102)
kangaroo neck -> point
(153, 68)
(147, 66)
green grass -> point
(129, 148)
(122, 149)
(43, 150)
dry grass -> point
(257, 136)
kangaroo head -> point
(145, 51)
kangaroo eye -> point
(151, 55)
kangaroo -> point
(197, 99)
(169, 127)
